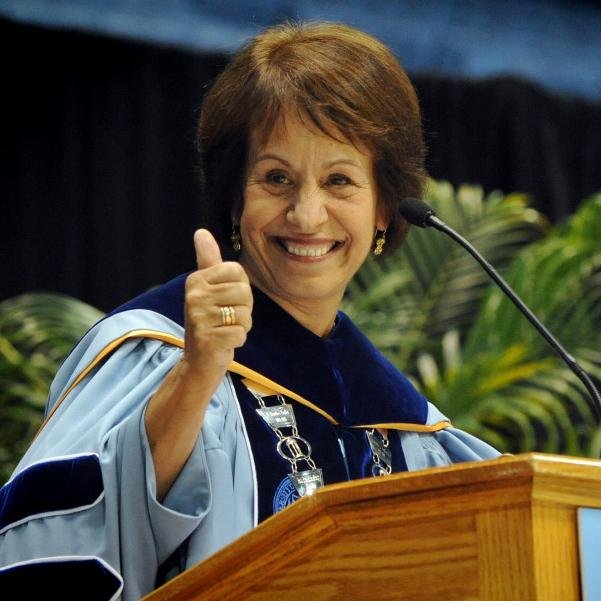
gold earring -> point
(235, 238)
(380, 241)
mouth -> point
(313, 250)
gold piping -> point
(408, 427)
(107, 350)
(250, 377)
(267, 385)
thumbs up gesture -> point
(218, 306)
(217, 315)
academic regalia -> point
(82, 499)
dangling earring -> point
(235, 238)
(380, 240)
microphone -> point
(419, 213)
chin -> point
(302, 290)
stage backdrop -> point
(98, 183)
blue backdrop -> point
(557, 44)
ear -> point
(382, 218)
(237, 208)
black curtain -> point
(98, 170)
(98, 182)
(511, 135)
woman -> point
(200, 408)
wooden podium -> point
(498, 530)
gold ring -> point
(228, 316)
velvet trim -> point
(168, 300)
(357, 384)
(60, 485)
(344, 373)
(68, 579)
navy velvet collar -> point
(357, 385)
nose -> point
(308, 211)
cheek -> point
(367, 219)
(249, 210)
(261, 210)
(255, 219)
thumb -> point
(207, 249)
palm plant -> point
(37, 330)
(434, 312)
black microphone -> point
(419, 213)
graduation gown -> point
(81, 505)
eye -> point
(278, 178)
(339, 180)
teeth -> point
(308, 251)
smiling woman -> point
(333, 79)
(309, 216)
(202, 407)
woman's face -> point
(309, 214)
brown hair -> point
(333, 75)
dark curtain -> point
(98, 182)
(511, 135)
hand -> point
(209, 345)
(175, 412)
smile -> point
(305, 250)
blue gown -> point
(81, 504)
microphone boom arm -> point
(431, 219)
(419, 213)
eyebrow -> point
(268, 156)
(341, 161)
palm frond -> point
(465, 344)
(37, 330)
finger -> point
(220, 316)
(207, 249)
(222, 273)
(239, 315)
(232, 293)
(201, 292)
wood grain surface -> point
(497, 530)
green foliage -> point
(436, 314)
(37, 331)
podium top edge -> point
(526, 466)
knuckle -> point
(194, 282)
(237, 271)
(243, 291)
(194, 297)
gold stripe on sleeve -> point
(104, 353)
(251, 379)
